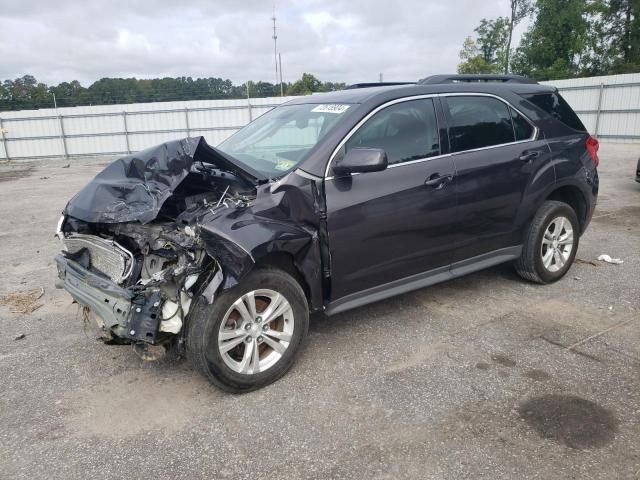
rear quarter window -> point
(522, 128)
(557, 107)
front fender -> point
(282, 219)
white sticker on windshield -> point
(331, 108)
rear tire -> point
(265, 317)
(551, 243)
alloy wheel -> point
(557, 244)
(256, 331)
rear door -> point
(385, 226)
(495, 150)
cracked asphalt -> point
(486, 376)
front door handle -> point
(529, 156)
(437, 180)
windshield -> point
(278, 141)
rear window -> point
(557, 107)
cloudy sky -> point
(337, 40)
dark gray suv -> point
(326, 203)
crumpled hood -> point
(134, 188)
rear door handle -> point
(437, 180)
(529, 156)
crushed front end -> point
(139, 280)
(132, 252)
(159, 230)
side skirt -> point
(422, 280)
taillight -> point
(592, 148)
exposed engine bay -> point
(161, 265)
(161, 229)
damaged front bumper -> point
(129, 314)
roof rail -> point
(471, 78)
(377, 84)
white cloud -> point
(319, 21)
(348, 40)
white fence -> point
(609, 107)
(120, 129)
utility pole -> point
(249, 103)
(61, 123)
(281, 84)
(275, 42)
(380, 78)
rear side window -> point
(478, 122)
(405, 131)
(522, 128)
(557, 107)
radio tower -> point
(275, 42)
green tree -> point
(486, 54)
(263, 89)
(619, 34)
(332, 86)
(492, 39)
(305, 86)
(4, 93)
(554, 45)
(473, 61)
(26, 92)
(69, 94)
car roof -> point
(390, 92)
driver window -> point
(405, 131)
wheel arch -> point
(575, 198)
(284, 261)
(287, 246)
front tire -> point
(250, 335)
(551, 243)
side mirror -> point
(361, 160)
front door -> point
(388, 225)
